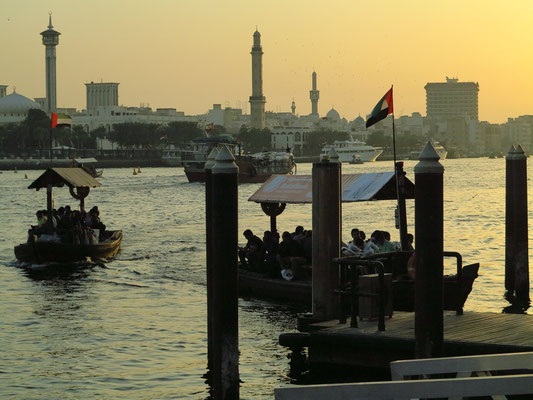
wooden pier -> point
(331, 343)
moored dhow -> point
(253, 168)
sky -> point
(190, 54)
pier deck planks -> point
(470, 333)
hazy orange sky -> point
(189, 54)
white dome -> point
(333, 115)
(16, 103)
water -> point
(135, 328)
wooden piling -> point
(509, 212)
(209, 201)
(326, 236)
(225, 344)
(429, 328)
(516, 254)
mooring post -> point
(208, 254)
(402, 213)
(224, 290)
(516, 256)
(326, 236)
(509, 218)
(429, 327)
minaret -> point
(314, 95)
(257, 100)
(293, 107)
(50, 40)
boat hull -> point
(198, 175)
(248, 172)
(45, 252)
(252, 284)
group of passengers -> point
(68, 226)
(291, 256)
(379, 242)
(274, 257)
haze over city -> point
(189, 55)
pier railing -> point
(353, 267)
(350, 271)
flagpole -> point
(400, 195)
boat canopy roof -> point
(85, 160)
(297, 189)
(58, 177)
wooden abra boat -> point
(299, 292)
(280, 190)
(79, 183)
(44, 252)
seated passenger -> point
(290, 255)
(387, 246)
(299, 234)
(252, 254)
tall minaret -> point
(293, 107)
(257, 100)
(50, 40)
(314, 95)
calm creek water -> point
(135, 328)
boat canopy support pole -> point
(273, 210)
(49, 201)
(80, 194)
(429, 206)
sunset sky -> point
(189, 54)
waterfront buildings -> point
(452, 99)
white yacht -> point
(441, 151)
(347, 149)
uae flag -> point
(59, 120)
(381, 110)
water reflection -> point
(517, 305)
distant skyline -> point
(191, 54)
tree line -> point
(34, 132)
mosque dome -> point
(16, 103)
(359, 121)
(333, 115)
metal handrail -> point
(346, 262)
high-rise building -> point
(452, 99)
(102, 95)
(314, 95)
(50, 40)
(257, 100)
